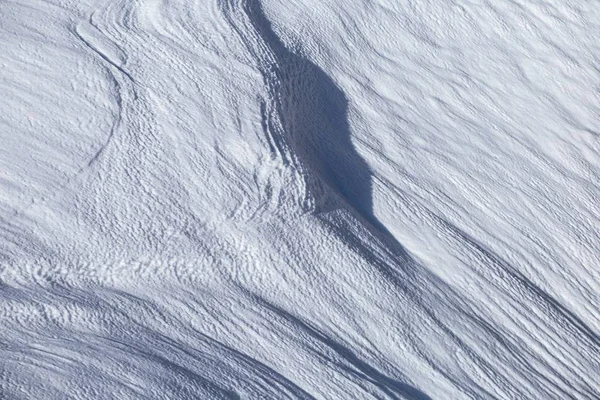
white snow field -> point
(299, 199)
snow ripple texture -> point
(243, 199)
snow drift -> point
(264, 199)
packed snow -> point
(281, 199)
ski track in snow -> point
(238, 199)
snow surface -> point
(234, 199)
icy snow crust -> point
(234, 199)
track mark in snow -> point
(104, 53)
(100, 49)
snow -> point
(297, 199)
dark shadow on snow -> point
(305, 119)
(307, 116)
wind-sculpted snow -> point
(304, 116)
(236, 199)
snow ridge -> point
(195, 205)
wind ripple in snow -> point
(201, 208)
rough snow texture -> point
(235, 199)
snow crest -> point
(272, 199)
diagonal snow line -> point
(104, 55)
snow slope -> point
(244, 199)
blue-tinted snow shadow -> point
(313, 112)
(306, 115)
